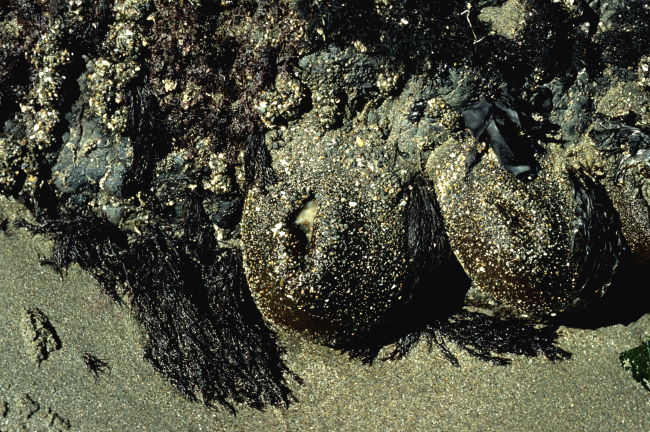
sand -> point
(422, 392)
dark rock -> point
(541, 247)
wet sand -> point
(422, 392)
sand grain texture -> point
(422, 392)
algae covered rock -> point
(169, 146)
(323, 257)
(541, 247)
(618, 155)
(325, 247)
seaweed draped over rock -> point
(617, 154)
(632, 143)
(321, 115)
(349, 247)
(501, 121)
(204, 332)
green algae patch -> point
(637, 360)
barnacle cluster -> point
(109, 75)
(283, 103)
(323, 167)
(40, 114)
(222, 178)
(338, 78)
(14, 84)
(644, 70)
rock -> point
(617, 155)
(541, 247)
(326, 248)
(347, 277)
(166, 119)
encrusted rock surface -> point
(542, 247)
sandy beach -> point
(422, 392)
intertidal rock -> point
(325, 247)
(541, 247)
(137, 129)
(617, 155)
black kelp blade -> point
(614, 136)
(518, 159)
(501, 122)
(477, 117)
(505, 114)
